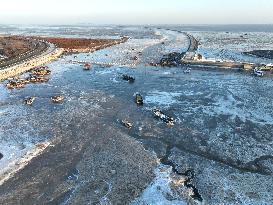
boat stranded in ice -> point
(165, 118)
(139, 99)
(128, 78)
(127, 124)
(57, 99)
(30, 100)
(258, 72)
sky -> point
(136, 11)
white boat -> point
(127, 124)
(165, 118)
(258, 72)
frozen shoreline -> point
(9, 168)
(25, 66)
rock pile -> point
(172, 59)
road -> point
(193, 45)
(39, 48)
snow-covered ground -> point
(229, 46)
(126, 54)
(138, 50)
(162, 99)
(175, 41)
(18, 143)
(17, 157)
(159, 191)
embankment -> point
(25, 66)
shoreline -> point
(25, 66)
(14, 166)
(49, 56)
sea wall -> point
(23, 67)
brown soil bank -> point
(13, 46)
(80, 44)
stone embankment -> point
(46, 57)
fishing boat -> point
(87, 66)
(29, 101)
(128, 78)
(165, 118)
(257, 72)
(139, 99)
(57, 99)
(127, 124)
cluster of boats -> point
(37, 75)
(54, 99)
(157, 112)
(41, 71)
(16, 84)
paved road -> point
(193, 45)
(39, 48)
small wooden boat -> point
(128, 78)
(11, 84)
(139, 99)
(29, 101)
(127, 124)
(57, 99)
(87, 66)
(187, 71)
